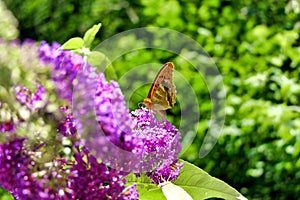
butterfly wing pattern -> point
(162, 94)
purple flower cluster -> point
(159, 136)
(66, 70)
(114, 117)
(30, 100)
(84, 178)
(92, 180)
(67, 126)
(161, 142)
(16, 176)
(103, 121)
(165, 173)
(64, 66)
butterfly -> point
(162, 94)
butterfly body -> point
(162, 94)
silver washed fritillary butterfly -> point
(162, 94)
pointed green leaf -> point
(200, 185)
(73, 43)
(89, 36)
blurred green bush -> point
(256, 46)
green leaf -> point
(95, 58)
(200, 185)
(110, 73)
(146, 188)
(89, 36)
(196, 182)
(73, 43)
(5, 195)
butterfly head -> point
(147, 102)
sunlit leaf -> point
(73, 43)
(89, 36)
(95, 58)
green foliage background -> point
(256, 47)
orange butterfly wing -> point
(162, 94)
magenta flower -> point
(67, 126)
(32, 101)
(165, 173)
(7, 126)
